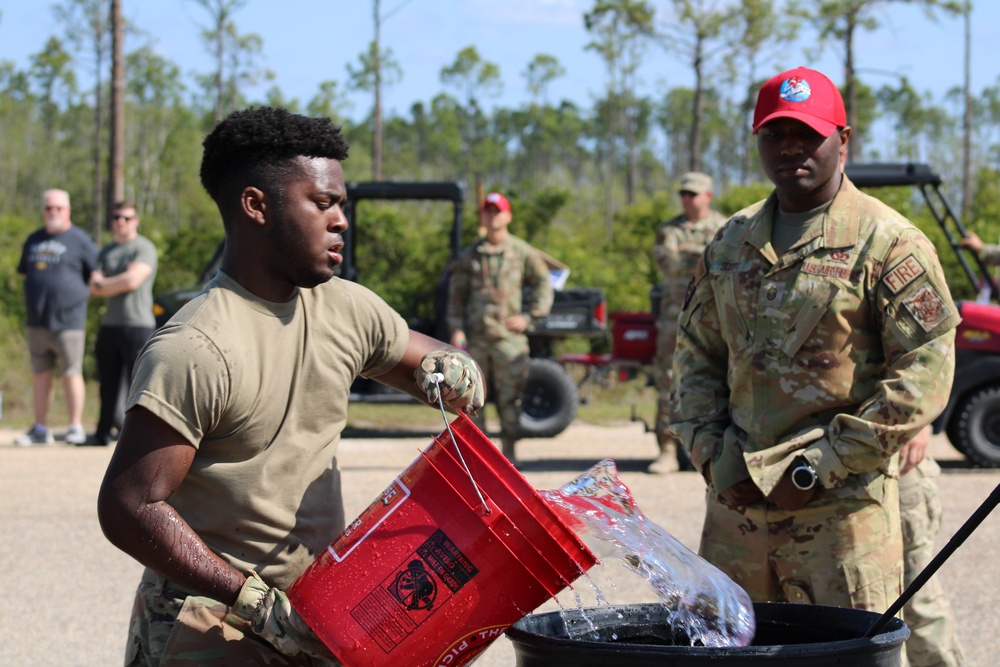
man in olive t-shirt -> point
(224, 482)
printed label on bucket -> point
(468, 647)
(369, 520)
(420, 585)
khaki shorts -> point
(50, 349)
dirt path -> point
(73, 590)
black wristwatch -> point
(803, 475)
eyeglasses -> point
(126, 218)
(54, 208)
(688, 193)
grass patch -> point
(609, 401)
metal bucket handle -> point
(437, 378)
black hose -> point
(954, 543)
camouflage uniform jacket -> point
(840, 350)
(990, 254)
(486, 288)
(679, 244)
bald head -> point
(56, 211)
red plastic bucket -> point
(503, 526)
(430, 575)
(544, 529)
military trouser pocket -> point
(132, 651)
(152, 621)
(207, 634)
(932, 500)
(874, 580)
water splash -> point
(705, 607)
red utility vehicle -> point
(972, 418)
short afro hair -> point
(258, 147)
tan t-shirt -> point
(261, 390)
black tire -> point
(550, 400)
(978, 427)
(954, 433)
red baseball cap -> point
(496, 199)
(805, 95)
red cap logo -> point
(805, 95)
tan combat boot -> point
(665, 463)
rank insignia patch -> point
(840, 256)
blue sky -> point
(309, 41)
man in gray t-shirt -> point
(126, 269)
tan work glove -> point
(457, 375)
(272, 618)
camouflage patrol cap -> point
(696, 182)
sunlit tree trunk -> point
(116, 152)
(694, 161)
(857, 137)
(377, 111)
(87, 29)
(98, 183)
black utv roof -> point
(925, 179)
(884, 174)
(452, 192)
(449, 190)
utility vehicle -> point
(551, 396)
(972, 418)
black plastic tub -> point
(787, 634)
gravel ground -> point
(74, 590)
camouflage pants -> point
(663, 362)
(170, 628)
(844, 548)
(933, 641)
(505, 368)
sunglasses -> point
(126, 218)
(688, 193)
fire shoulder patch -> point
(903, 274)
(927, 307)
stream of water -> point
(705, 606)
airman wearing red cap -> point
(816, 340)
(487, 313)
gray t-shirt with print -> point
(56, 268)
